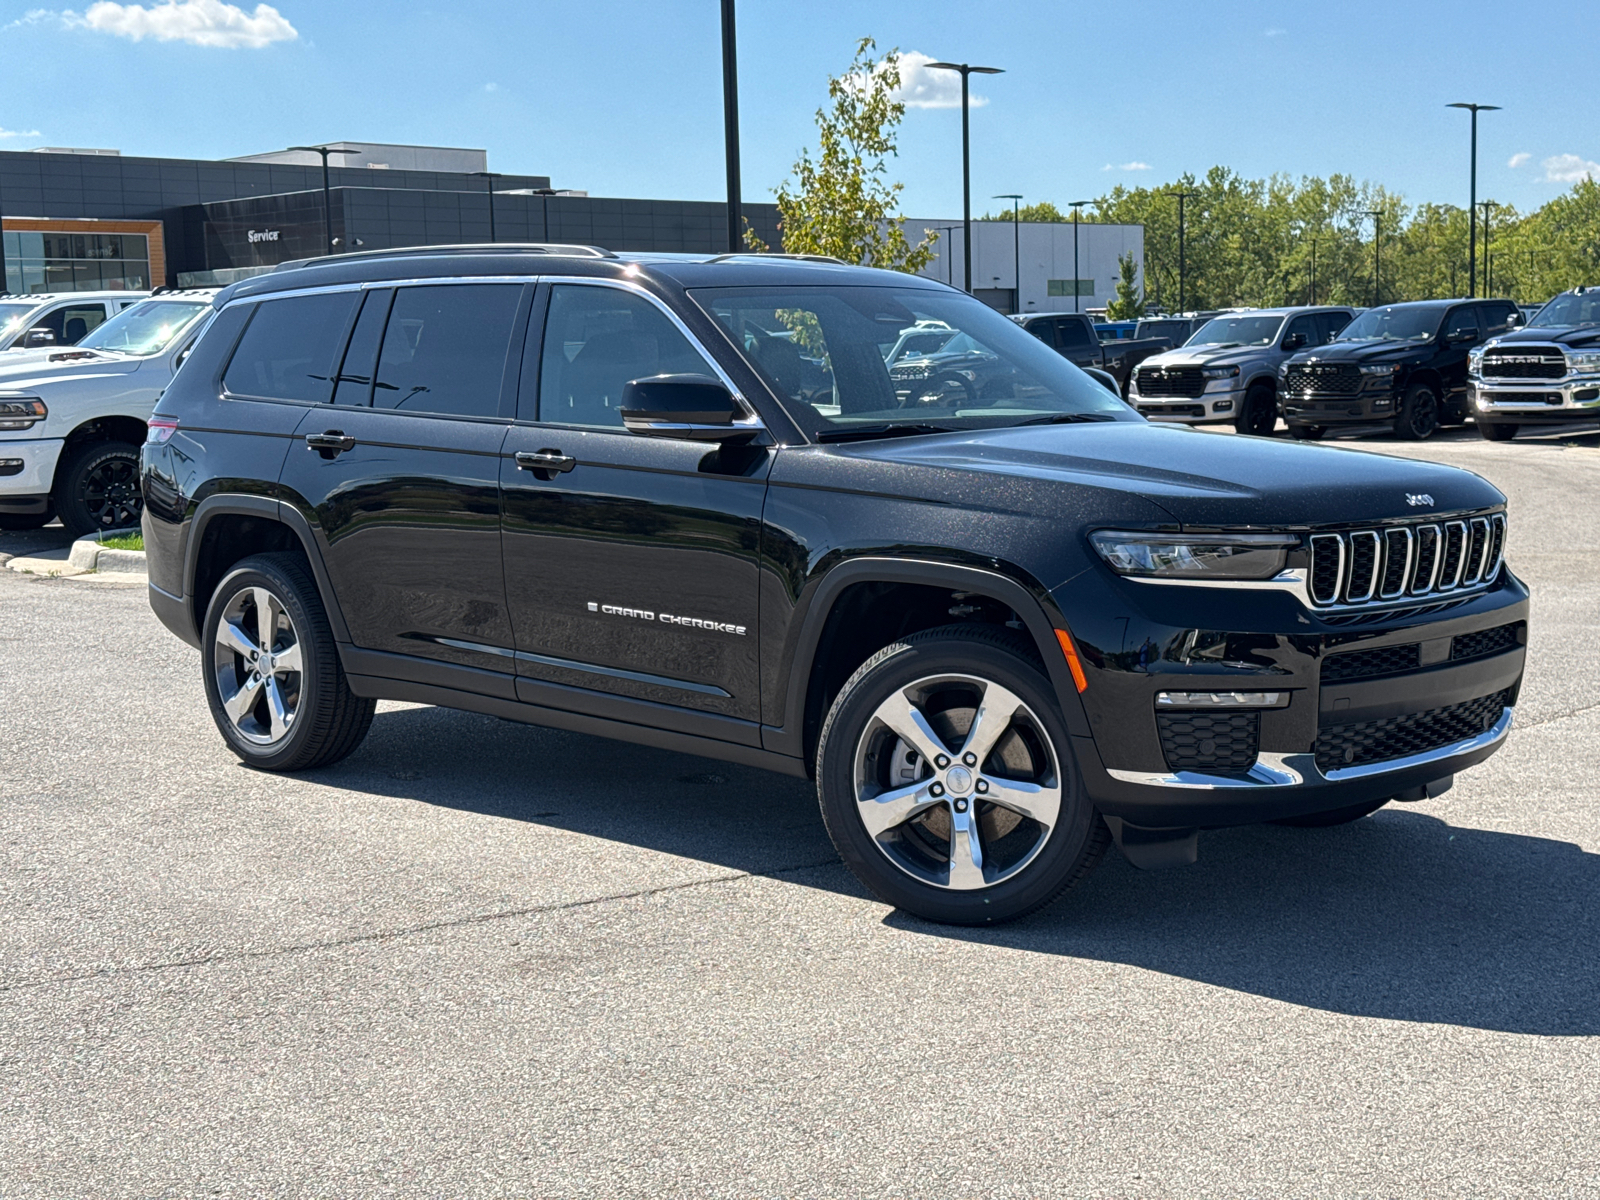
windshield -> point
(1569, 309)
(149, 327)
(1241, 330)
(1393, 323)
(838, 357)
(13, 317)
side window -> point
(1330, 325)
(1305, 327)
(596, 339)
(289, 348)
(78, 320)
(1461, 323)
(1045, 331)
(354, 383)
(1072, 335)
(1496, 319)
(444, 349)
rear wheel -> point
(1308, 433)
(1496, 431)
(947, 782)
(1419, 413)
(1259, 417)
(1334, 816)
(97, 488)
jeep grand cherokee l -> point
(610, 493)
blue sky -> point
(623, 97)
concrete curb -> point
(86, 555)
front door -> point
(399, 475)
(630, 561)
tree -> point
(1129, 304)
(1041, 212)
(842, 203)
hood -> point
(1584, 336)
(1202, 480)
(1224, 355)
(40, 368)
(1366, 352)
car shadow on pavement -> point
(1400, 916)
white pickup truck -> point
(56, 319)
(72, 419)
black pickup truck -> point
(1074, 336)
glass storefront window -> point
(76, 262)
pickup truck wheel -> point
(1419, 413)
(1308, 433)
(947, 781)
(97, 488)
(1334, 816)
(1496, 431)
(271, 672)
(1259, 417)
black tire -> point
(1044, 860)
(97, 488)
(1308, 433)
(17, 522)
(328, 720)
(1496, 431)
(1419, 414)
(1259, 417)
(1334, 816)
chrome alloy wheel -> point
(956, 782)
(256, 661)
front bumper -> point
(1203, 409)
(28, 467)
(1366, 407)
(1536, 401)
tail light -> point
(161, 429)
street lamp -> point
(730, 128)
(966, 69)
(490, 176)
(1077, 207)
(1377, 234)
(1472, 206)
(1181, 197)
(1016, 247)
(327, 195)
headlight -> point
(1381, 369)
(1176, 556)
(20, 413)
(1583, 360)
(1219, 372)
(1475, 359)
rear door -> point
(399, 475)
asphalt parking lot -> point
(482, 959)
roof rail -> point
(821, 258)
(553, 248)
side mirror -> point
(695, 408)
(42, 336)
(1105, 379)
(1294, 341)
(1462, 337)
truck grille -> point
(1207, 741)
(1171, 381)
(1322, 379)
(1551, 398)
(1414, 733)
(1524, 362)
(1369, 566)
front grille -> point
(1171, 381)
(1524, 363)
(1366, 664)
(1485, 642)
(1322, 379)
(1207, 741)
(1368, 565)
(1413, 733)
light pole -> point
(490, 176)
(327, 196)
(1488, 257)
(949, 263)
(1016, 248)
(1313, 242)
(1472, 205)
(1077, 207)
(3, 287)
(730, 128)
(1181, 197)
(966, 70)
(1377, 236)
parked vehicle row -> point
(42, 320)
(1073, 335)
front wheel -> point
(1259, 416)
(1419, 413)
(947, 782)
(97, 488)
(1496, 431)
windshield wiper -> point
(1067, 418)
(865, 432)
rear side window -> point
(289, 348)
(354, 385)
(444, 349)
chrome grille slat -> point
(1368, 566)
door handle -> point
(544, 462)
(330, 444)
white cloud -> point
(1127, 166)
(491, 87)
(32, 17)
(1569, 168)
(922, 88)
(1275, 32)
(1518, 160)
(18, 133)
(198, 22)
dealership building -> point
(80, 220)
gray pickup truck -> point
(1228, 370)
(1073, 335)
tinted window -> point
(1330, 324)
(444, 350)
(1496, 318)
(1073, 335)
(1306, 327)
(1461, 323)
(354, 385)
(288, 349)
(1045, 331)
(596, 339)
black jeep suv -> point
(1402, 365)
(686, 502)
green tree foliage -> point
(842, 203)
(1129, 304)
(1041, 212)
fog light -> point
(11, 466)
(1222, 699)
(1222, 406)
